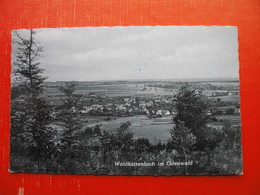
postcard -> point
(136, 100)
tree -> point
(192, 110)
(31, 117)
(16, 92)
(141, 145)
(182, 140)
(26, 67)
(227, 156)
(191, 133)
(69, 115)
(120, 142)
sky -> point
(145, 52)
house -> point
(150, 103)
(120, 108)
(166, 112)
(157, 100)
(109, 105)
(128, 104)
(142, 104)
(163, 113)
(143, 109)
(197, 92)
(132, 99)
(159, 112)
(92, 95)
(94, 107)
(100, 107)
(126, 99)
(86, 109)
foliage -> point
(182, 140)
(192, 110)
(141, 145)
(16, 92)
(26, 67)
(69, 115)
(30, 118)
(121, 142)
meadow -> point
(154, 129)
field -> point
(113, 90)
(142, 127)
(154, 129)
(231, 98)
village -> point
(149, 100)
(127, 106)
(157, 104)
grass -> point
(142, 127)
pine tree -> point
(192, 110)
(31, 117)
(183, 140)
(69, 115)
(26, 67)
(191, 133)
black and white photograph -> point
(135, 100)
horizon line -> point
(176, 79)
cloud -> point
(192, 50)
(168, 52)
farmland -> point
(113, 90)
(159, 95)
(142, 127)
